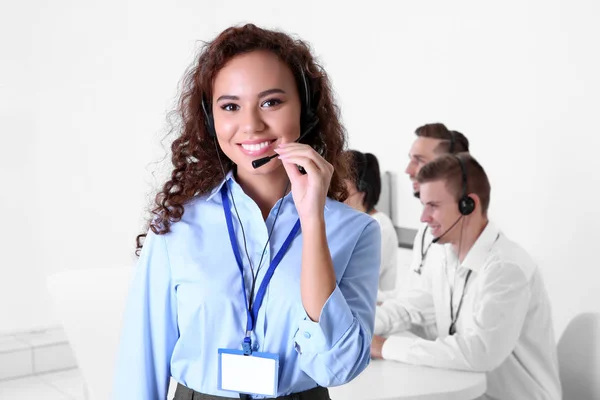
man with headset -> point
(489, 300)
(432, 140)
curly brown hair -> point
(196, 166)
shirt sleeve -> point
(411, 307)
(405, 277)
(389, 263)
(383, 296)
(149, 328)
(336, 349)
(489, 335)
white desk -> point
(389, 380)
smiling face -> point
(440, 211)
(256, 107)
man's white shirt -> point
(504, 327)
(414, 281)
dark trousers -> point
(184, 393)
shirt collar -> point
(217, 188)
(482, 246)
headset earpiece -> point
(466, 204)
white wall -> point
(84, 88)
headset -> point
(466, 204)
(452, 142)
(308, 118)
(362, 184)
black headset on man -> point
(466, 206)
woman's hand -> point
(317, 280)
(308, 190)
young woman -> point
(364, 190)
(256, 280)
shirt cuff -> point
(396, 347)
(335, 320)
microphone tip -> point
(262, 161)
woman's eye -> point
(271, 103)
(230, 107)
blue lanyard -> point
(252, 312)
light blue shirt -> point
(186, 300)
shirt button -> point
(307, 335)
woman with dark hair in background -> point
(364, 189)
(253, 279)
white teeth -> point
(255, 147)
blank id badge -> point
(257, 373)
